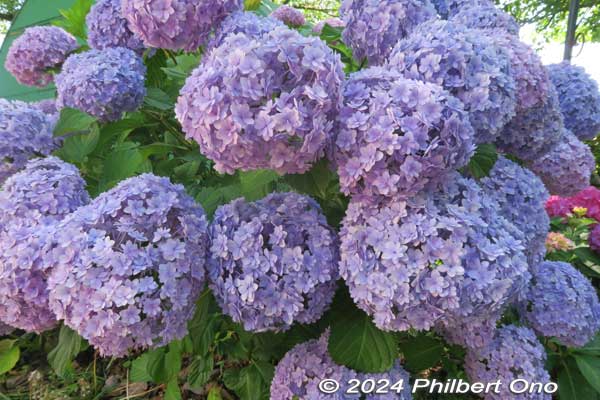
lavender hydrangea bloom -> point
(522, 197)
(129, 267)
(332, 22)
(107, 27)
(299, 372)
(244, 22)
(374, 26)
(566, 169)
(38, 49)
(397, 135)
(104, 83)
(515, 353)
(442, 256)
(25, 132)
(467, 64)
(487, 17)
(45, 191)
(289, 16)
(31, 203)
(268, 103)
(562, 303)
(47, 106)
(273, 262)
(177, 24)
(579, 99)
(474, 332)
(534, 131)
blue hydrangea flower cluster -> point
(38, 49)
(299, 372)
(442, 256)
(25, 132)
(104, 83)
(273, 262)
(332, 22)
(106, 27)
(472, 332)
(579, 99)
(263, 103)
(177, 24)
(487, 17)
(289, 16)
(522, 197)
(129, 266)
(515, 353)
(45, 191)
(562, 303)
(244, 22)
(534, 131)
(566, 169)
(466, 63)
(374, 26)
(31, 203)
(396, 135)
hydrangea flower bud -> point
(106, 27)
(289, 16)
(566, 169)
(273, 262)
(177, 24)
(298, 374)
(562, 303)
(469, 65)
(263, 103)
(396, 135)
(515, 353)
(374, 26)
(103, 83)
(487, 17)
(579, 99)
(129, 267)
(25, 132)
(37, 50)
(244, 22)
(436, 258)
(521, 196)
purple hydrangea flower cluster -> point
(442, 256)
(515, 353)
(129, 267)
(289, 16)
(396, 135)
(579, 99)
(374, 26)
(104, 83)
(487, 17)
(332, 22)
(177, 24)
(31, 203)
(47, 106)
(594, 239)
(299, 372)
(534, 131)
(566, 169)
(107, 27)
(45, 191)
(25, 132)
(562, 303)
(466, 63)
(522, 197)
(244, 22)
(38, 49)
(268, 103)
(273, 262)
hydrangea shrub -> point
(397, 135)
(37, 50)
(129, 267)
(273, 262)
